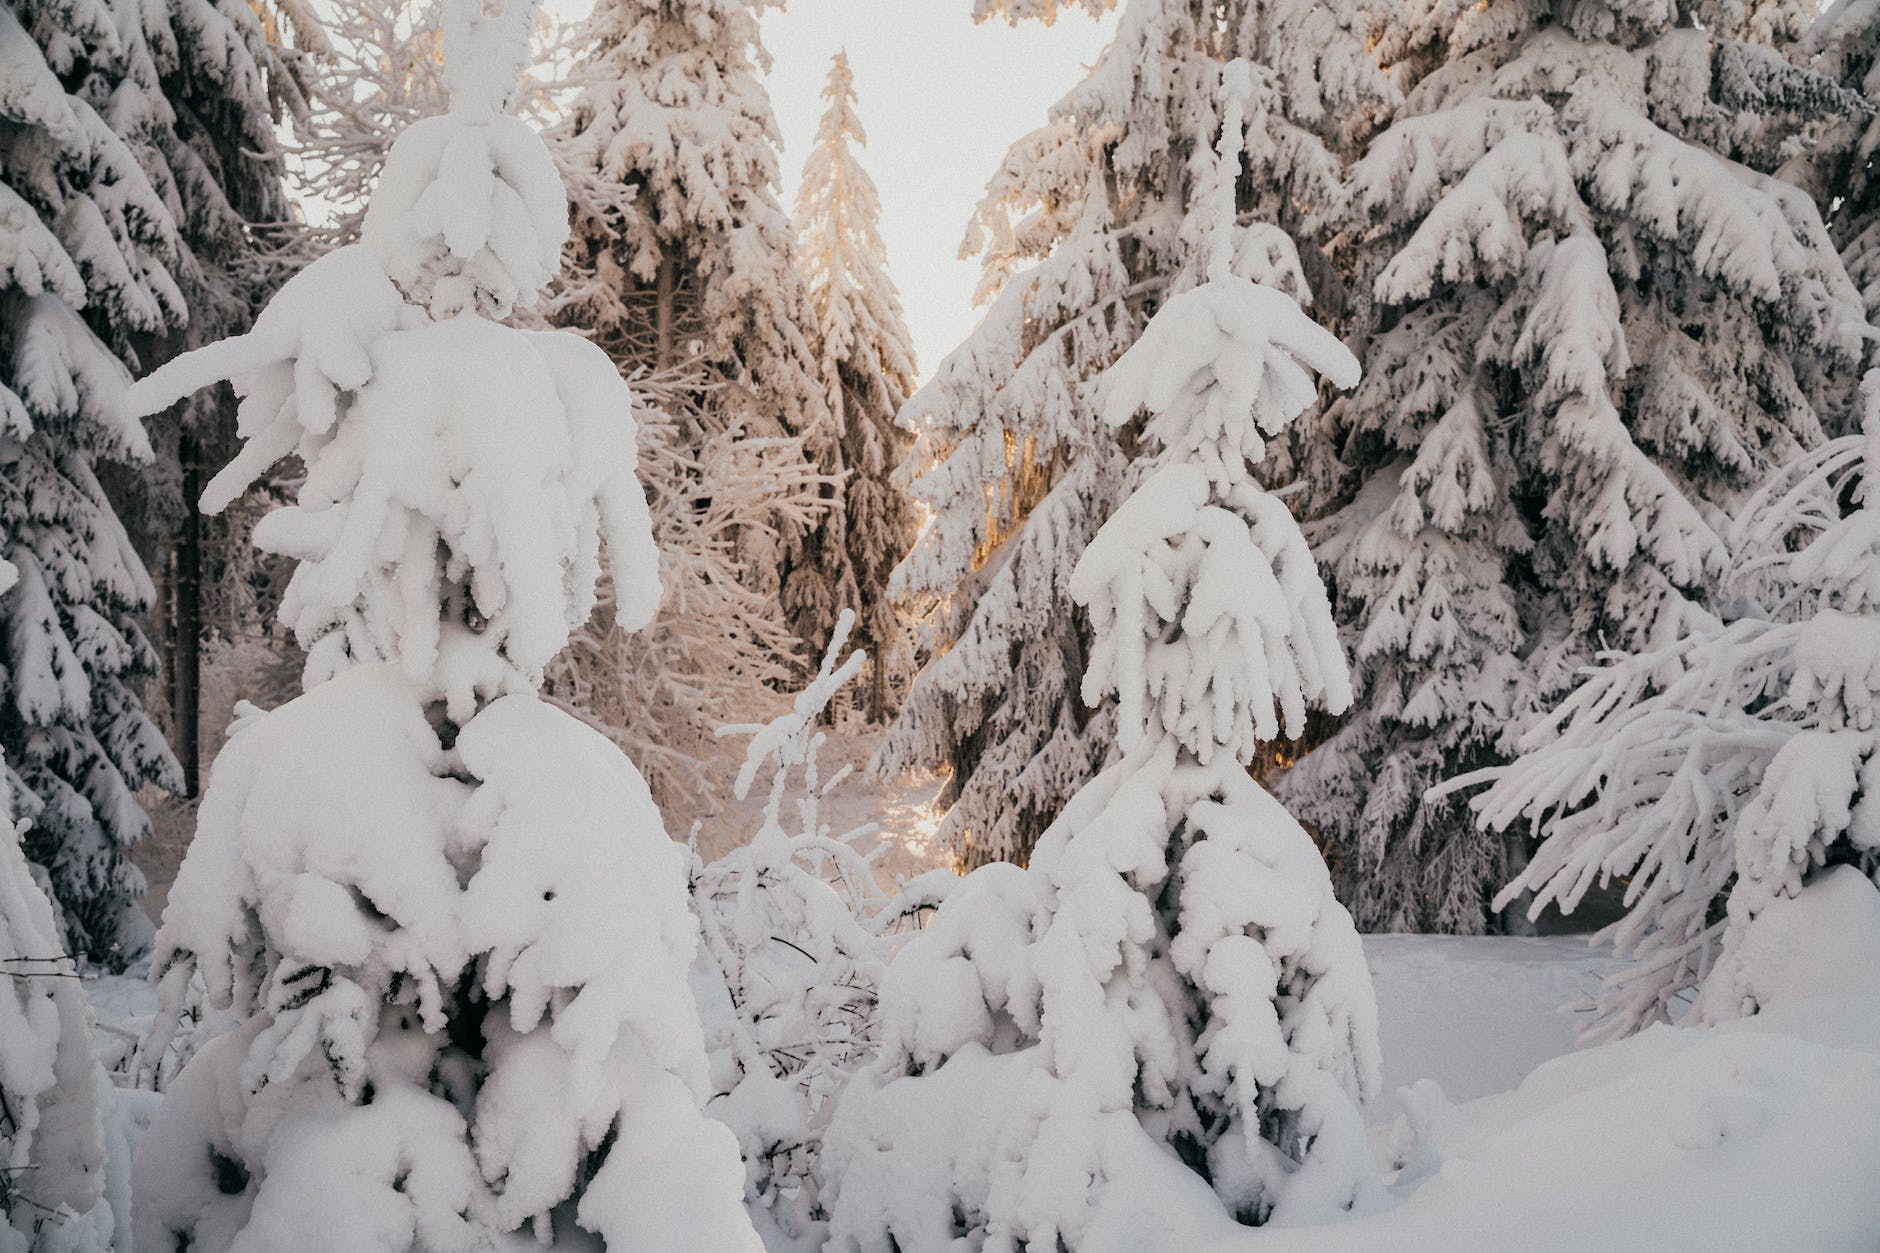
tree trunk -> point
(186, 663)
(663, 292)
(878, 691)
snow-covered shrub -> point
(789, 967)
(1717, 772)
(52, 1148)
(1173, 954)
(446, 912)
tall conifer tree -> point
(867, 361)
(682, 266)
(1595, 326)
(1089, 226)
(95, 273)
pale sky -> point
(941, 100)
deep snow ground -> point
(1475, 1015)
(1752, 1136)
(1495, 1132)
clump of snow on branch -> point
(1200, 544)
(470, 212)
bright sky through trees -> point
(941, 99)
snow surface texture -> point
(414, 885)
(1172, 961)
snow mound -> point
(1823, 942)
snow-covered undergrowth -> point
(789, 964)
(1672, 1140)
(1696, 1139)
(1734, 1136)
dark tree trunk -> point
(666, 284)
(186, 595)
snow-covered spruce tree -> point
(867, 362)
(1085, 230)
(682, 256)
(1845, 167)
(52, 1150)
(1173, 960)
(681, 267)
(788, 969)
(1710, 774)
(446, 911)
(1593, 332)
(210, 82)
(719, 634)
(88, 267)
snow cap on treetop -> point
(486, 50)
(1236, 87)
(470, 213)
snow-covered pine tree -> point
(789, 967)
(1085, 230)
(203, 87)
(720, 634)
(89, 259)
(1593, 331)
(52, 1152)
(682, 256)
(867, 362)
(1173, 960)
(1845, 173)
(446, 913)
(1711, 774)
